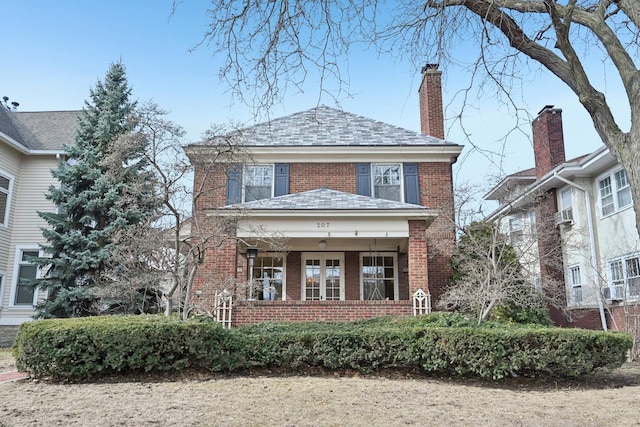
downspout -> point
(592, 243)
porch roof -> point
(325, 199)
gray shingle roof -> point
(7, 127)
(44, 130)
(324, 199)
(326, 126)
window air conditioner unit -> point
(614, 293)
(564, 217)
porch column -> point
(418, 263)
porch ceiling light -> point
(252, 252)
(322, 244)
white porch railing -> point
(421, 302)
(224, 307)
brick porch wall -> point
(247, 312)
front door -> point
(323, 276)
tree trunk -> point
(168, 305)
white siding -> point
(576, 242)
(30, 186)
(10, 163)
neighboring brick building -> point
(363, 211)
(579, 215)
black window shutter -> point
(234, 185)
(363, 179)
(411, 187)
(281, 179)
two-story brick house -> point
(590, 242)
(363, 210)
(30, 147)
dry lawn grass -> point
(606, 399)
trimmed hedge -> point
(438, 343)
(105, 345)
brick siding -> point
(327, 311)
(548, 140)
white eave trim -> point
(564, 170)
(47, 152)
(494, 193)
(335, 213)
(446, 153)
(24, 150)
(15, 144)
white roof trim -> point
(319, 213)
(14, 143)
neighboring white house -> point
(587, 203)
(30, 147)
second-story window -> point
(533, 226)
(255, 182)
(566, 205)
(615, 192)
(391, 181)
(386, 182)
(258, 182)
(516, 226)
(5, 187)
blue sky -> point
(53, 52)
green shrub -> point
(440, 343)
(87, 347)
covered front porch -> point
(346, 257)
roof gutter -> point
(592, 243)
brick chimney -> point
(431, 112)
(548, 140)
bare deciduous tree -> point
(164, 254)
(498, 263)
(271, 45)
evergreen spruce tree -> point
(103, 190)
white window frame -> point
(622, 273)
(533, 226)
(245, 176)
(400, 179)
(322, 256)
(3, 277)
(4, 219)
(615, 190)
(566, 204)
(516, 232)
(16, 267)
(395, 271)
(574, 275)
(537, 282)
(272, 255)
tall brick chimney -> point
(548, 150)
(548, 140)
(431, 112)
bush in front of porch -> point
(440, 343)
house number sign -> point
(322, 225)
